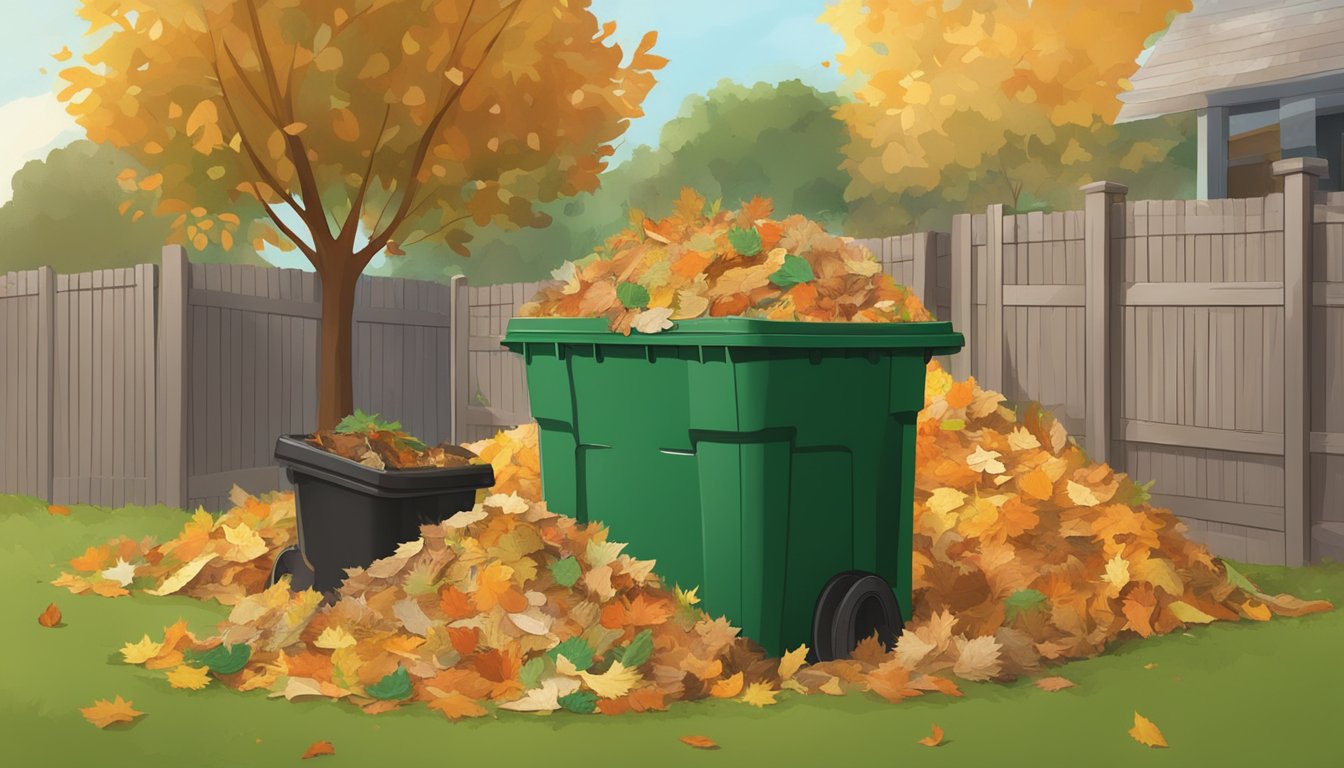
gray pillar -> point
(1212, 166)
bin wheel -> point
(851, 607)
(290, 561)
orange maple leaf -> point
(455, 603)
(728, 687)
(93, 559)
(455, 706)
(50, 617)
(104, 713)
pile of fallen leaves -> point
(373, 442)
(703, 261)
(224, 558)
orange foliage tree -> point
(408, 117)
(981, 98)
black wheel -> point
(290, 561)
(851, 607)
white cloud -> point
(30, 127)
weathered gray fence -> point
(171, 384)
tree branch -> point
(377, 241)
(347, 233)
(294, 238)
(285, 109)
(437, 231)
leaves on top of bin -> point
(369, 440)
(705, 262)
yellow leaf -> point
(1117, 572)
(687, 598)
(63, 54)
(945, 500)
(1020, 439)
(413, 97)
(1189, 613)
(985, 461)
(189, 678)
(1081, 495)
(150, 183)
(295, 128)
(792, 661)
(760, 694)
(728, 687)
(832, 687)
(1160, 573)
(616, 681)
(454, 76)
(183, 575)
(408, 44)
(333, 638)
(247, 544)
(1146, 733)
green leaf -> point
(394, 686)
(565, 571)
(222, 660)
(530, 673)
(580, 702)
(1021, 601)
(745, 241)
(1141, 493)
(1235, 578)
(632, 295)
(795, 270)
(359, 421)
(579, 653)
(953, 425)
(639, 650)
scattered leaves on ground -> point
(700, 742)
(934, 739)
(104, 713)
(1146, 733)
(1053, 684)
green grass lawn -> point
(1224, 695)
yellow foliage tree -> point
(976, 99)
(410, 117)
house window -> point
(1253, 144)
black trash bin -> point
(350, 515)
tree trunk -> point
(335, 382)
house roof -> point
(1228, 52)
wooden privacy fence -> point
(1199, 344)
(170, 384)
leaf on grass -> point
(56, 509)
(934, 739)
(700, 742)
(123, 573)
(222, 659)
(1235, 578)
(319, 748)
(50, 617)
(1146, 733)
(1053, 684)
(1189, 613)
(760, 694)
(139, 653)
(104, 713)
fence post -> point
(46, 382)
(1299, 189)
(963, 293)
(992, 376)
(1103, 271)
(924, 272)
(461, 356)
(174, 295)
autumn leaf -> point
(319, 748)
(934, 739)
(792, 661)
(985, 461)
(56, 509)
(456, 706)
(1146, 733)
(51, 617)
(104, 713)
(139, 653)
(616, 681)
(1053, 684)
(760, 694)
(728, 687)
(189, 678)
(699, 742)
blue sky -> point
(705, 41)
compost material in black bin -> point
(350, 515)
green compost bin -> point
(771, 463)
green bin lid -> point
(936, 337)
